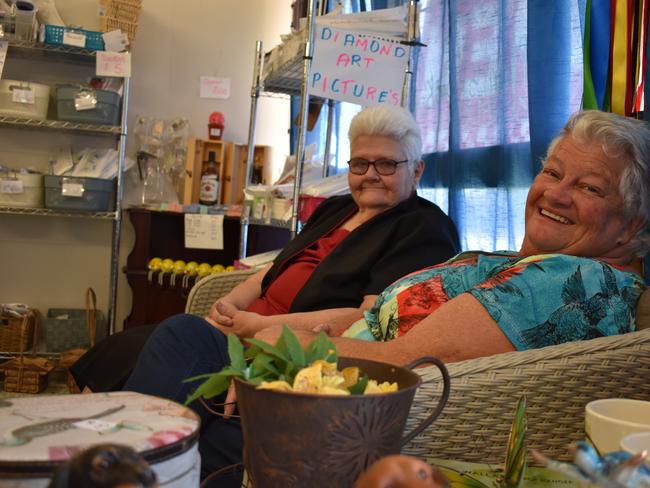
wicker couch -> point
(558, 381)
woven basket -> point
(16, 333)
(123, 15)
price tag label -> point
(113, 64)
(70, 189)
(95, 425)
(3, 54)
(12, 187)
(85, 100)
(74, 39)
(211, 87)
(22, 95)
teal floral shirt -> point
(537, 301)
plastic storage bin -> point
(106, 111)
(27, 194)
(24, 99)
(53, 34)
(79, 194)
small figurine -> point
(105, 466)
(614, 470)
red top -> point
(279, 295)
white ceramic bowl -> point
(608, 421)
(635, 443)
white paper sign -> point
(3, 55)
(358, 67)
(69, 189)
(113, 64)
(115, 41)
(212, 87)
(12, 187)
(74, 39)
(23, 95)
(203, 231)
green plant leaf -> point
(268, 348)
(213, 386)
(236, 353)
(262, 366)
(294, 349)
(252, 351)
(360, 386)
(321, 348)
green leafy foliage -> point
(265, 362)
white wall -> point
(49, 262)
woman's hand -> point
(222, 313)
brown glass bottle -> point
(209, 194)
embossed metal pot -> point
(300, 440)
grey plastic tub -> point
(106, 112)
(79, 194)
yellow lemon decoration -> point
(167, 265)
(230, 268)
(179, 267)
(154, 264)
(191, 268)
(204, 269)
(218, 268)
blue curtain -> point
(495, 83)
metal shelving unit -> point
(37, 52)
(292, 79)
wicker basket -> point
(121, 14)
(26, 374)
(16, 333)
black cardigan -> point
(410, 236)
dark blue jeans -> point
(180, 347)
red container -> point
(306, 206)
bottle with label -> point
(209, 194)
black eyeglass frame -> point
(373, 163)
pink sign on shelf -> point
(113, 64)
(213, 87)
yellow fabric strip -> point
(619, 58)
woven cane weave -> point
(558, 382)
(204, 293)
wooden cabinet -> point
(161, 234)
(231, 162)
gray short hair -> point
(626, 138)
(389, 121)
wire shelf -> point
(47, 52)
(46, 212)
(60, 125)
(282, 224)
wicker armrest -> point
(208, 290)
(558, 382)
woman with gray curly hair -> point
(575, 277)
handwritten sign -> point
(203, 231)
(3, 54)
(357, 67)
(113, 64)
(212, 87)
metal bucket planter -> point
(299, 440)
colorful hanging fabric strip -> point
(614, 55)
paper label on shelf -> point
(113, 64)
(74, 39)
(70, 189)
(211, 87)
(85, 100)
(12, 186)
(3, 55)
(357, 67)
(23, 95)
(203, 231)
(115, 41)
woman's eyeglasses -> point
(384, 167)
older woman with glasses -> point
(351, 248)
